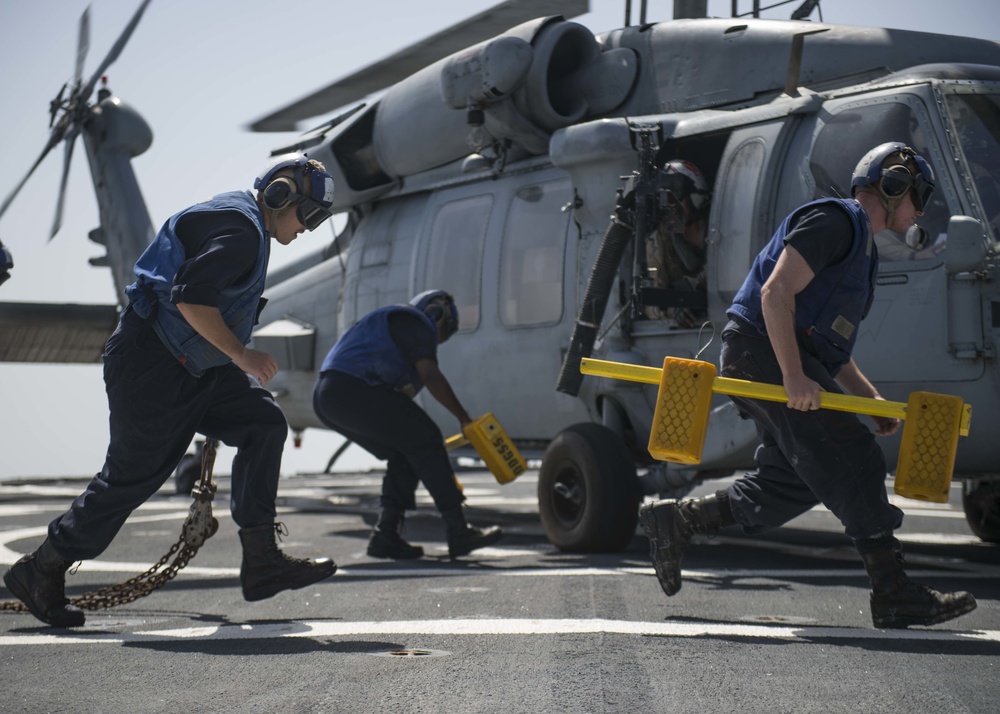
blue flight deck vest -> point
(157, 267)
(829, 310)
(366, 351)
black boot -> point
(266, 571)
(39, 581)
(386, 542)
(669, 526)
(463, 538)
(897, 601)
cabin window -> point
(977, 123)
(852, 132)
(531, 262)
(455, 258)
(738, 202)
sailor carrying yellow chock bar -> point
(933, 422)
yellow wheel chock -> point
(494, 447)
(932, 422)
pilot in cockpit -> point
(675, 251)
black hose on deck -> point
(595, 300)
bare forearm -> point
(854, 382)
(779, 318)
(441, 390)
(208, 323)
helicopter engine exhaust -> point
(517, 88)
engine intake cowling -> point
(530, 81)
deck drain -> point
(411, 652)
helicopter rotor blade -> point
(82, 46)
(402, 64)
(115, 50)
(57, 135)
(67, 159)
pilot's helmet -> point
(892, 169)
(311, 191)
(680, 179)
(440, 307)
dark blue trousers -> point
(390, 426)
(805, 458)
(157, 407)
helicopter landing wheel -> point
(588, 492)
(981, 502)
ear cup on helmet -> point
(434, 312)
(278, 193)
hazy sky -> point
(199, 72)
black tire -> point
(588, 491)
(981, 503)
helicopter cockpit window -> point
(531, 262)
(846, 137)
(455, 258)
(977, 123)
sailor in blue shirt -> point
(365, 391)
(177, 365)
(794, 322)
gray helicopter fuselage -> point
(517, 245)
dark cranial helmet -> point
(312, 193)
(440, 307)
(892, 169)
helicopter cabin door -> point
(500, 248)
(743, 207)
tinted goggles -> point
(310, 211)
(450, 316)
(897, 180)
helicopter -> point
(492, 172)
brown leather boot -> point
(266, 570)
(898, 602)
(39, 581)
(669, 525)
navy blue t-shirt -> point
(823, 235)
(412, 338)
(221, 249)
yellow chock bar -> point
(494, 447)
(932, 425)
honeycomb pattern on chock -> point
(683, 406)
(927, 450)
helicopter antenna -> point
(802, 12)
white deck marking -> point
(478, 627)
